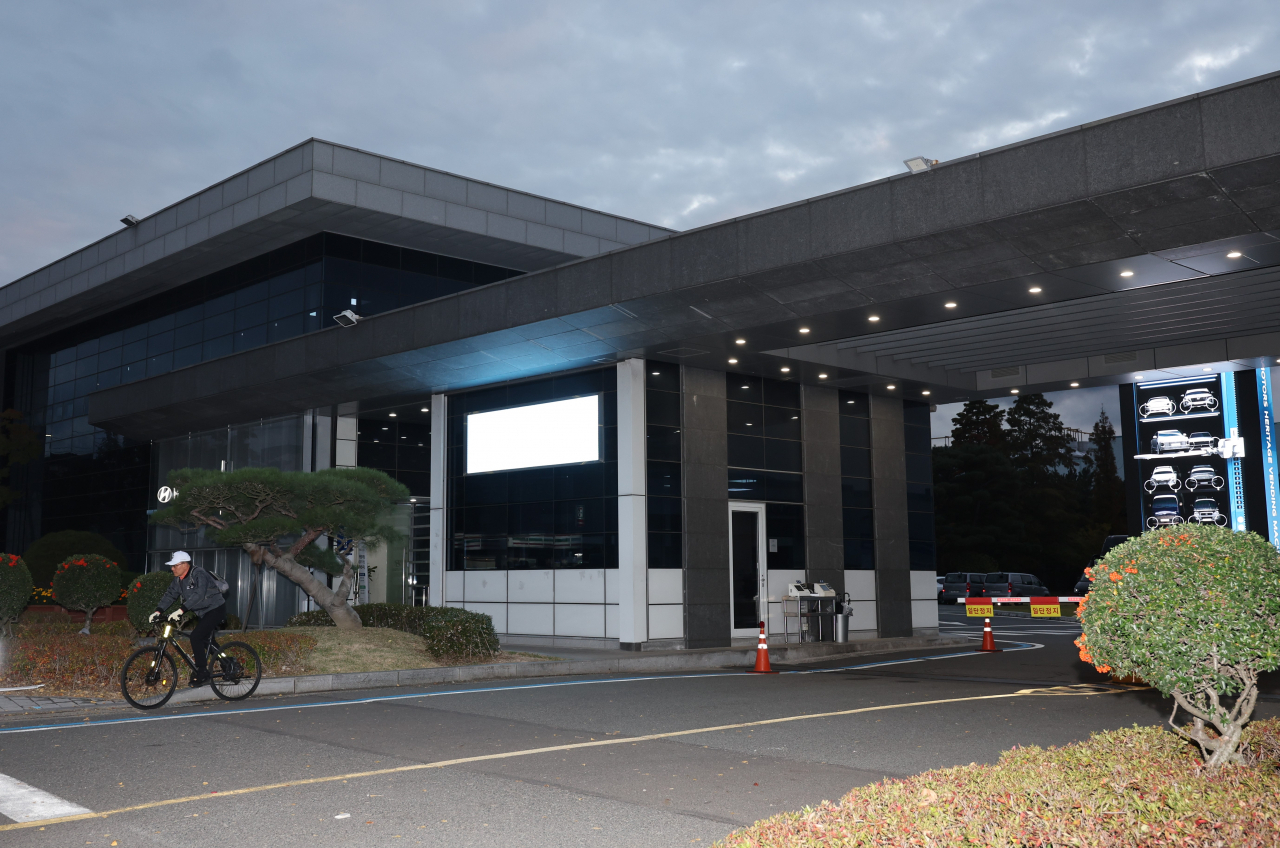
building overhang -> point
(1164, 193)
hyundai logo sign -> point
(166, 494)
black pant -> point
(200, 634)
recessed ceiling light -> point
(425, 409)
(1208, 369)
(849, 401)
(891, 386)
(925, 392)
(785, 369)
(822, 376)
(873, 317)
(748, 423)
(1138, 376)
(746, 387)
(1034, 290)
(733, 362)
(1235, 254)
(1126, 273)
(1015, 391)
(413, 500)
(393, 415)
(804, 329)
(739, 341)
(1075, 385)
(950, 304)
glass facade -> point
(663, 453)
(921, 543)
(562, 516)
(855, 481)
(91, 480)
(766, 460)
(399, 446)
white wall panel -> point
(924, 613)
(666, 586)
(580, 586)
(611, 581)
(580, 620)
(611, 621)
(666, 621)
(862, 614)
(485, 586)
(779, 579)
(531, 587)
(530, 619)
(453, 586)
(498, 612)
(924, 586)
(861, 585)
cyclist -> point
(199, 595)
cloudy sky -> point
(679, 113)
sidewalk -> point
(583, 661)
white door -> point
(748, 577)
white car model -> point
(1169, 441)
(1205, 511)
(1157, 406)
(1163, 475)
(1165, 510)
(1201, 441)
(1204, 475)
(1199, 399)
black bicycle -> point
(150, 675)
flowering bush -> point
(1130, 787)
(144, 596)
(15, 589)
(85, 583)
(1193, 610)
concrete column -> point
(889, 495)
(705, 467)
(439, 499)
(633, 549)
(824, 521)
(323, 449)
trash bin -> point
(841, 627)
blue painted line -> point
(1020, 646)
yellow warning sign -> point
(980, 609)
(1046, 610)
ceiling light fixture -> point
(393, 415)
(925, 392)
(785, 370)
(951, 304)
(822, 376)
(1138, 376)
(1126, 273)
(425, 409)
(804, 329)
(656, 373)
(1235, 254)
(1207, 369)
(1015, 391)
(746, 387)
(873, 317)
(1075, 385)
(919, 164)
(733, 362)
(739, 341)
(891, 386)
(1034, 290)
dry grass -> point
(376, 649)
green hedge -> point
(450, 633)
(144, 597)
(85, 583)
(15, 589)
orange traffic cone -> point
(988, 640)
(762, 655)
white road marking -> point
(23, 803)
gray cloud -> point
(676, 113)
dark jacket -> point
(198, 592)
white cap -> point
(179, 556)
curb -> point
(705, 658)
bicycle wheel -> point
(143, 684)
(235, 671)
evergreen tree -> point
(979, 423)
(1106, 491)
(1038, 440)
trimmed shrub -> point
(85, 583)
(450, 633)
(1193, 610)
(1134, 787)
(45, 554)
(15, 590)
(144, 597)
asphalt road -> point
(600, 784)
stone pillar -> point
(889, 496)
(633, 609)
(705, 467)
(824, 521)
(439, 489)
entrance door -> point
(748, 578)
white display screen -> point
(557, 433)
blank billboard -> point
(557, 433)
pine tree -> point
(979, 423)
(1038, 440)
(1107, 490)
